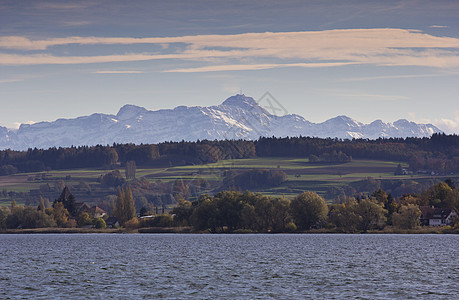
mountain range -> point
(238, 117)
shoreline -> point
(190, 230)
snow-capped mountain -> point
(238, 117)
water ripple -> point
(175, 266)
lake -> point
(247, 266)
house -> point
(93, 211)
(96, 212)
(82, 207)
(434, 216)
(112, 222)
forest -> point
(439, 153)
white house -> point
(431, 216)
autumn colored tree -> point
(308, 210)
(344, 215)
(408, 217)
(61, 214)
(41, 206)
(4, 212)
(99, 223)
(125, 205)
(372, 214)
(84, 219)
(437, 195)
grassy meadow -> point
(301, 175)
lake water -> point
(262, 266)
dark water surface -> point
(178, 266)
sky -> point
(368, 60)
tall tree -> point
(125, 205)
(130, 204)
(309, 210)
(130, 169)
(408, 217)
(120, 203)
(68, 200)
(344, 215)
(41, 206)
(372, 214)
(4, 212)
(61, 214)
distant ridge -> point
(238, 117)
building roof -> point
(429, 212)
(82, 207)
(96, 210)
(65, 195)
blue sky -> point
(365, 59)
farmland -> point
(327, 179)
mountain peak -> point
(128, 111)
(240, 100)
(403, 122)
(342, 119)
(238, 117)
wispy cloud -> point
(256, 67)
(118, 72)
(397, 76)
(77, 23)
(18, 78)
(11, 80)
(45, 59)
(438, 26)
(63, 6)
(382, 47)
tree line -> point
(236, 211)
(439, 153)
(230, 211)
(64, 212)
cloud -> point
(63, 6)
(16, 125)
(449, 126)
(257, 51)
(19, 78)
(247, 67)
(43, 59)
(438, 26)
(118, 72)
(397, 76)
(77, 23)
(11, 80)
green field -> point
(301, 175)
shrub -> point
(132, 223)
(99, 223)
(71, 223)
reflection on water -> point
(229, 266)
